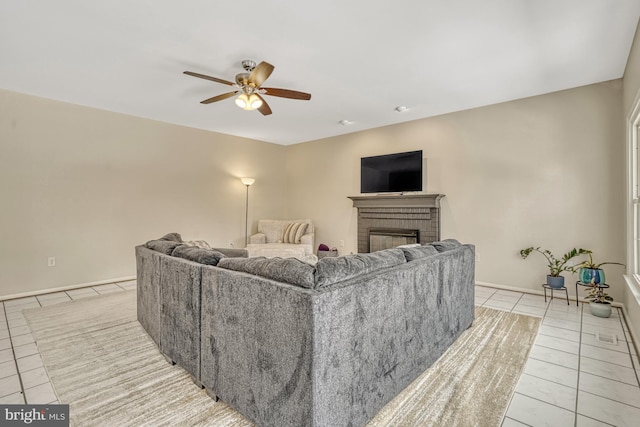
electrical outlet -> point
(51, 261)
(230, 243)
(342, 243)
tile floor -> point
(570, 379)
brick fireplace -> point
(392, 219)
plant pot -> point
(556, 282)
(600, 309)
(586, 275)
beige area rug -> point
(102, 362)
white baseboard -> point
(535, 292)
(66, 288)
(632, 288)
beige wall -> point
(86, 186)
(631, 92)
(541, 171)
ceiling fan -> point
(249, 86)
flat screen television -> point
(391, 173)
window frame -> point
(633, 195)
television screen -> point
(391, 173)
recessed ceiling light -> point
(401, 108)
(345, 122)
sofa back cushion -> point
(331, 270)
(164, 246)
(233, 252)
(174, 237)
(418, 252)
(199, 255)
(446, 245)
(287, 270)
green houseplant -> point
(599, 300)
(556, 265)
(590, 273)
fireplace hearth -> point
(419, 213)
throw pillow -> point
(287, 270)
(293, 232)
(446, 245)
(164, 246)
(287, 232)
(331, 270)
(300, 232)
(199, 255)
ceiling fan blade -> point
(219, 97)
(286, 93)
(264, 108)
(213, 79)
(261, 73)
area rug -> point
(104, 365)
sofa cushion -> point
(173, 237)
(287, 270)
(198, 244)
(335, 269)
(418, 252)
(294, 232)
(233, 252)
(199, 255)
(446, 245)
(164, 246)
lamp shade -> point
(247, 181)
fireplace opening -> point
(385, 238)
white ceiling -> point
(358, 59)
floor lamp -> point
(247, 182)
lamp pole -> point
(247, 182)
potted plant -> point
(556, 266)
(599, 301)
(591, 275)
(590, 272)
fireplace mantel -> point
(398, 201)
(398, 211)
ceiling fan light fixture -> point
(248, 102)
(254, 102)
(242, 101)
(248, 88)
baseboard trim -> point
(536, 292)
(632, 287)
(66, 288)
(634, 336)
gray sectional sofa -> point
(292, 344)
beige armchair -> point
(283, 238)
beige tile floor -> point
(570, 379)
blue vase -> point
(587, 275)
(556, 282)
